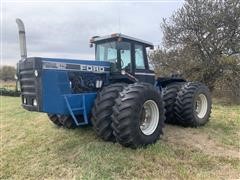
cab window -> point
(106, 52)
(125, 55)
(139, 57)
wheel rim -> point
(201, 106)
(149, 117)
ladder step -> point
(81, 109)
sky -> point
(63, 28)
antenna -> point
(119, 20)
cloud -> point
(64, 29)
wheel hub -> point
(149, 117)
(201, 105)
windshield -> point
(118, 53)
(106, 52)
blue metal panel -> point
(54, 85)
(57, 95)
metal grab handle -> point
(22, 39)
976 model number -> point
(77, 67)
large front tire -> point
(67, 122)
(138, 115)
(54, 119)
(102, 111)
(193, 105)
(62, 121)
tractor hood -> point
(45, 82)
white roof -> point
(97, 38)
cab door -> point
(142, 72)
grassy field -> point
(32, 147)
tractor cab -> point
(127, 55)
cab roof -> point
(97, 39)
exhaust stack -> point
(22, 39)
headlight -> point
(36, 73)
(24, 100)
(34, 102)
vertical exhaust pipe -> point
(22, 39)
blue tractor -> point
(117, 93)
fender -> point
(162, 82)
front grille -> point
(27, 81)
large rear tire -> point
(138, 115)
(193, 105)
(169, 96)
(102, 111)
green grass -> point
(32, 147)
(225, 125)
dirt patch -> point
(194, 139)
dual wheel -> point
(187, 104)
(132, 115)
(62, 121)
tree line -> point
(201, 42)
(7, 73)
